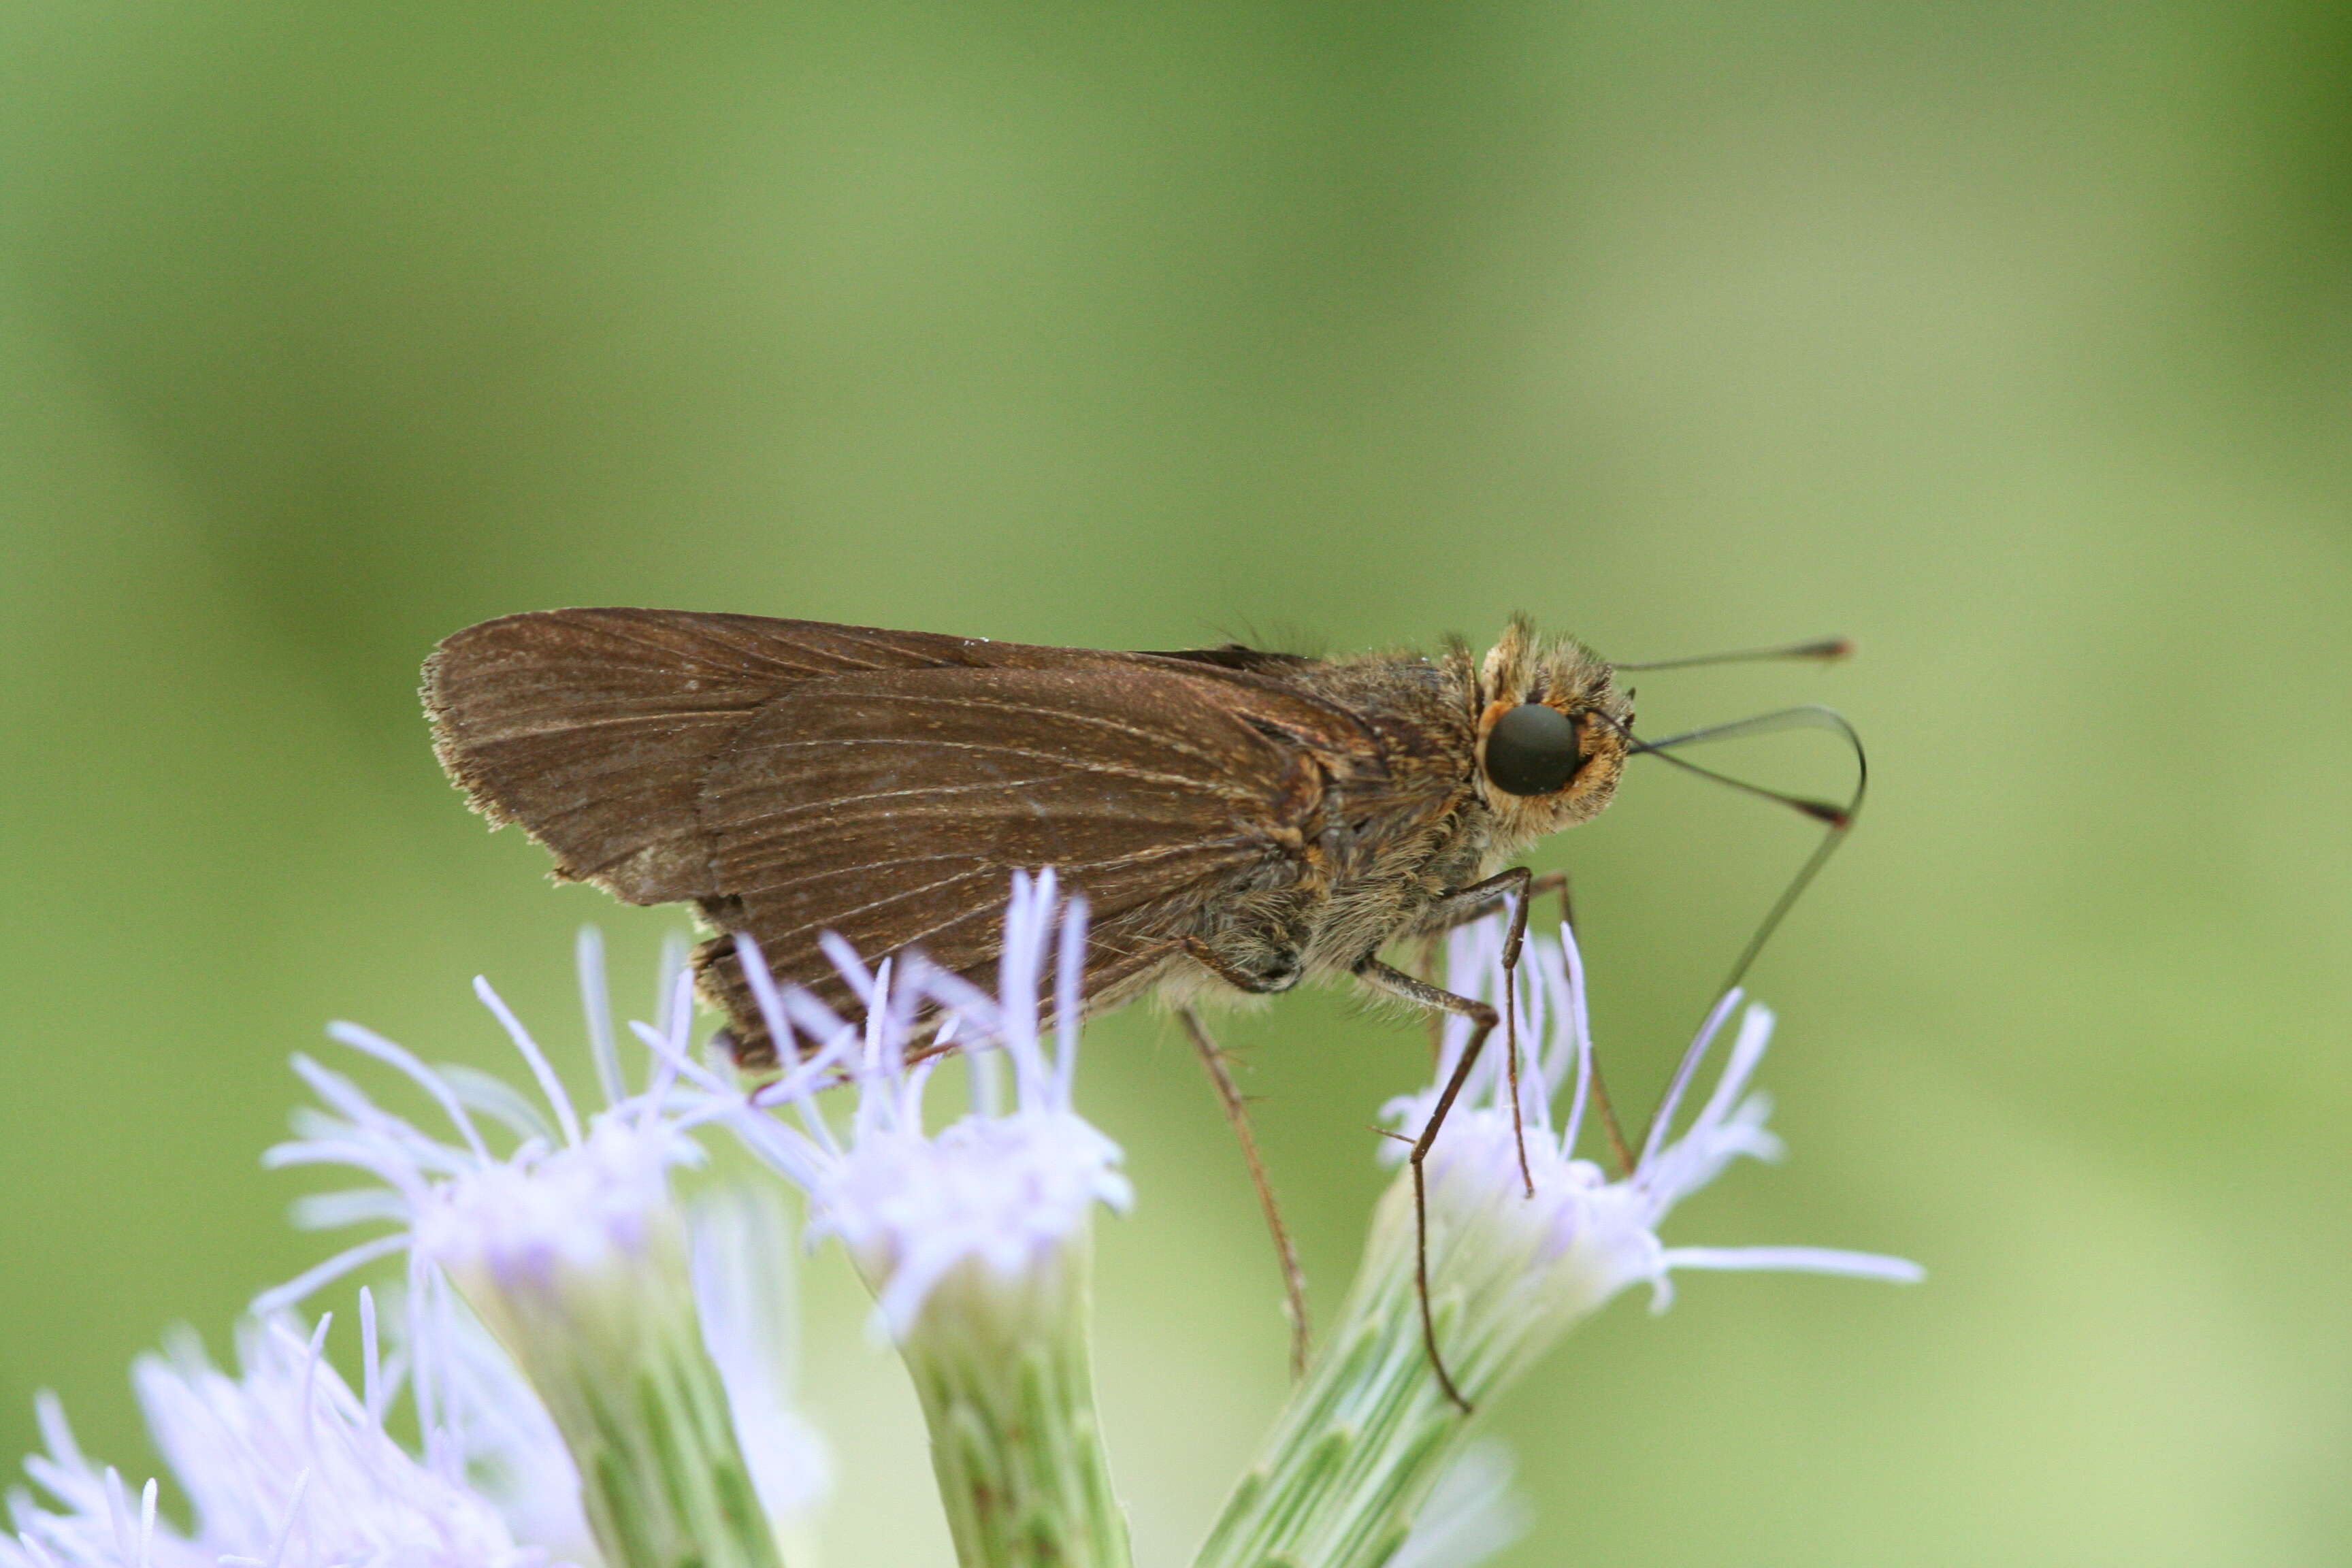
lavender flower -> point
(975, 1240)
(1345, 1472)
(283, 1465)
(601, 1371)
(573, 1252)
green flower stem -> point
(1004, 1372)
(1365, 1437)
(617, 1357)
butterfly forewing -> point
(793, 777)
(592, 727)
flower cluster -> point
(975, 1239)
(1580, 1237)
(594, 1329)
(282, 1464)
(994, 1198)
(1522, 1237)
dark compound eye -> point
(1532, 750)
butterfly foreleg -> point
(1483, 1018)
(1518, 885)
(1478, 901)
(1481, 899)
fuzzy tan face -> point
(1551, 734)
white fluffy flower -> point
(1346, 1479)
(1582, 1237)
(997, 1192)
(566, 1196)
(283, 1465)
(975, 1240)
(574, 1251)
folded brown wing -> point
(892, 808)
(793, 777)
(593, 728)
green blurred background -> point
(2014, 340)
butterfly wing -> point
(793, 777)
(892, 808)
(592, 727)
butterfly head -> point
(1552, 734)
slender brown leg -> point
(1460, 909)
(1478, 901)
(1294, 1279)
(1558, 880)
(1483, 1018)
(1609, 1124)
(1481, 899)
(1427, 968)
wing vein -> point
(1202, 787)
(917, 791)
(1076, 716)
(835, 918)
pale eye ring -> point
(1532, 748)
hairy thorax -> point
(1388, 841)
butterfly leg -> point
(1517, 885)
(1427, 966)
(1478, 901)
(1294, 1279)
(1482, 899)
(1281, 976)
(1483, 1018)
